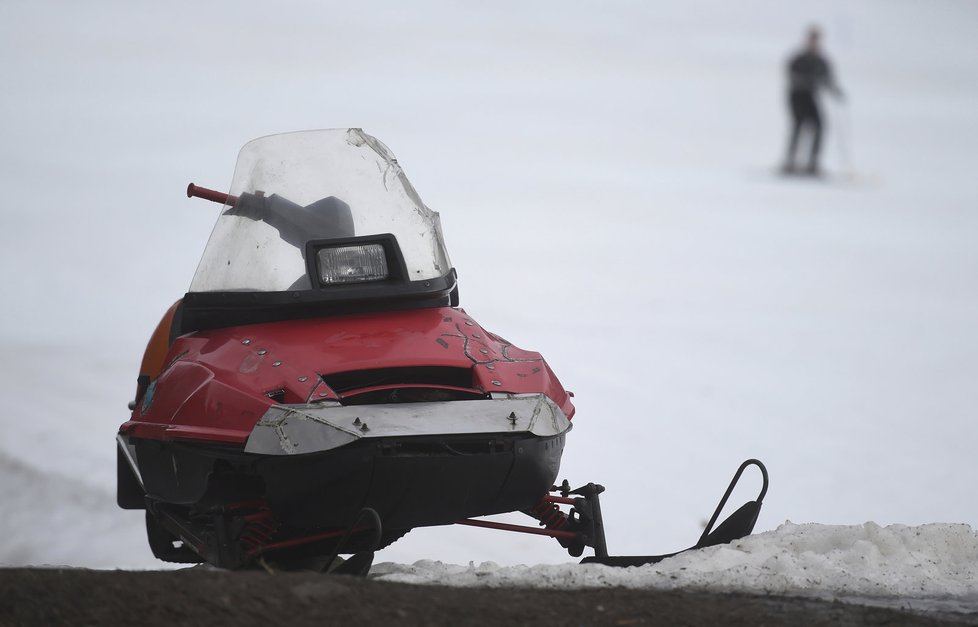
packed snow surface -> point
(854, 560)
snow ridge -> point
(933, 560)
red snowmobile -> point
(317, 391)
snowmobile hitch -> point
(583, 526)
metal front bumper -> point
(299, 429)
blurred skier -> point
(808, 72)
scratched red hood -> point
(217, 384)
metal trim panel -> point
(298, 429)
(129, 452)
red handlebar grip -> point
(210, 194)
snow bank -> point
(934, 560)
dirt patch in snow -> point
(206, 597)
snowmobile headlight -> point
(352, 264)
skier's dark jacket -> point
(809, 71)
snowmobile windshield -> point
(317, 210)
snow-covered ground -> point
(927, 567)
(603, 177)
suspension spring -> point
(259, 529)
(549, 515)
